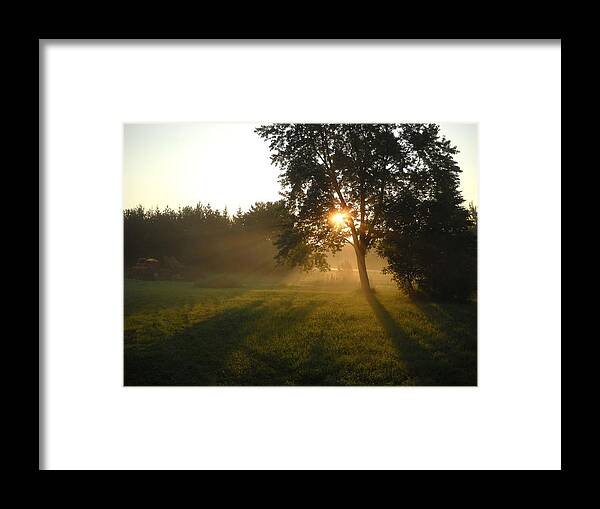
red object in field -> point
(146, 267)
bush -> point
(440, 266)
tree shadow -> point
(459, 322)
(445, 312)
(276, 358)
(149, 296)
(266, 342)
(201, 354)
(318, 367)
(425, 365)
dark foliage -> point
(435, 255)
(397, 187)
(204, 240)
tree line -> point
(203, 239)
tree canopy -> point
(364, 184)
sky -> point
(228, 165)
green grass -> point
(180, 334)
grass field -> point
(299, 334)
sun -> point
(338, 219)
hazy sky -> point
(227, 164)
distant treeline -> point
(436, 253)
(203, 239)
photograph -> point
(300, 254)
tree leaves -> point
(398, 182)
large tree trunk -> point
(362, 269)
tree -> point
(345, 183)
(432, 246)
(264, 218)
(473, 216)
(204, 239)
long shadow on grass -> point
(149, 296)
(317, 367)
(199, 354)
(426, 366)
(459, 322)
